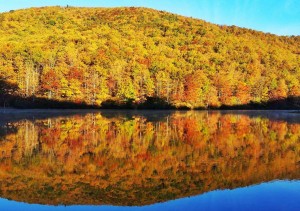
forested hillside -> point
(135, 55)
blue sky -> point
(280, 17)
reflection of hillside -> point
(131, 161)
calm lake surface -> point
(149, 160)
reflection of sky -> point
(275, 16)
(279, 195)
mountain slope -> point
(130, 55)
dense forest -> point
(134, 56)
(138, 160)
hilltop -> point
(139, 56)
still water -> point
(159, 160)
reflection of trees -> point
(95, 160)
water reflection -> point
(137, 159)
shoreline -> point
(13, 114)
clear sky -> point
(280, 17)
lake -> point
(149, 160)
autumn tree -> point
(50, 84)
